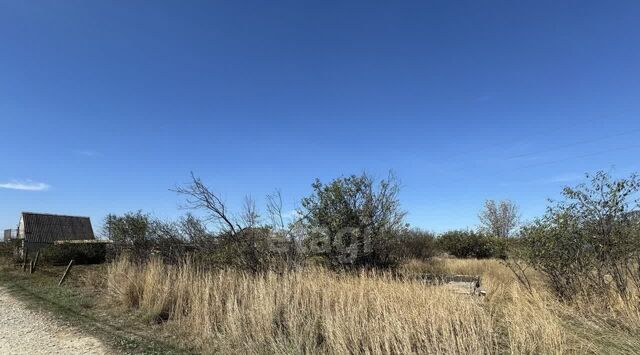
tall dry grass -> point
(318, 311)
(525, 322)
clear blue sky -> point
(106, 105)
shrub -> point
(9, 251)
(589, 243)
(130, 232)
(81, 253)
(254, 250)
(413, 244)
(356, 217)
(140, 236)
(470, 244)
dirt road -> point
(23, 331)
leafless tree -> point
(499, 219)
(242, 239)
(274, 208)
(250, 216)
(289, 230)
(200, 197)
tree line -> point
(584, 243)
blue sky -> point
(105, 106)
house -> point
(38, 230)
(9, 234)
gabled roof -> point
(40, 227)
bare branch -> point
(274, 208)
(198, 196)
(250, 215)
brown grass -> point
(317, 311)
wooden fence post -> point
(35, 261)
(65, 272)
(24, 260)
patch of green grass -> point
(80, 307)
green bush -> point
(6, 255)
(252, 249)
(470, 244)
(413, 244)
(9, 250)
(357, 217)
(6, 249)
(61, 254)
(589, 242)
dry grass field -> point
(318, 311)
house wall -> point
(21, 228)
(20, 235)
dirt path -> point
(23, 331)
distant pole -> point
(65, 273)
(31, 266)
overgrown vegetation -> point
(80, 253)
(413, 244)
(472, 244)
(315, 310)
(343, 275)
(588, 244)
(307, 311)
(352, 221)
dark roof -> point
(39, 227)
